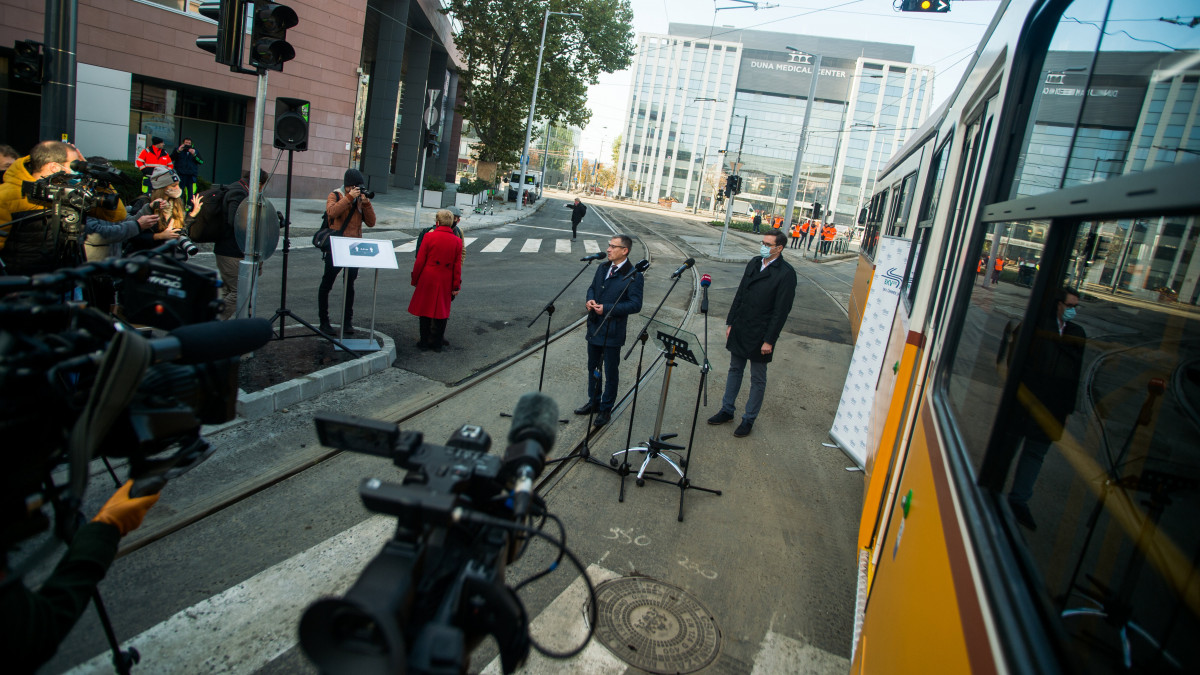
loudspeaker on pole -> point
(291, 124)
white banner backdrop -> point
(853, 420)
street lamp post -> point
(812, 101)
(737, 167)
(533, 103)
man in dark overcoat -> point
(756, 317)
(578, 211)
(1052, 374)
(608, 295)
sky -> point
(944, 41)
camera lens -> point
(368, 194)
(186, 245)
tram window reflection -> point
(1104, 486)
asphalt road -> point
(772, 557)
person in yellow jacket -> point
(28, 242)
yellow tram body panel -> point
(859, 292)
(923, 613)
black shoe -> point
(1023, 515)
(720, 418)
(602, 418)
(350, 330)
(743, 429)
(587, 408)
(327, 329)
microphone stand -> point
(548, 310)
(707, 367)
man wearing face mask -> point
(1052, 374)
(27, 243)
(756, 317)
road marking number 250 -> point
(625, 536)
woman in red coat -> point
(437, 276)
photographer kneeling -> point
(36, 622)
(28, 244)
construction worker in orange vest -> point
(829, 233)
(151, 157)
(999, 267)
(794, 233)
(804, 228)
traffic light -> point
(226, 45)
(737, 185)
(269, 48)
(939, 6)
(816, 211)
(733, 185)
(432, 148)
(29, 64)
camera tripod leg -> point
(122, 660)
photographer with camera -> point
(187, 164)
(37, 621)
(347, 209)
(173, 220)
(28, 243)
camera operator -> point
(24, 246)
(35, 622)
(348, 209)
(226, 247)
(165, 202)
(187, 164)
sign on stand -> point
(376, 254)
(852, 423)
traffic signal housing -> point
(938, 6)
(432, 148)
(226, 45)
(816, 209)
(269, 48)
(29, 64)
(733, 185)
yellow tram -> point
(1032, 497)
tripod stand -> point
(283, 310)
(548, 310)
(656, 446)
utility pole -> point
(700, 179)
(58, 91)
(533, 104)
(737, 166)
(808, 108)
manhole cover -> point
(655, 626)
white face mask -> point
(764, 250)
(174, 193)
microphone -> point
(687, 264)
(705, 280)
(212, 341)
(534, 419)
(640, 267)
(594, 256)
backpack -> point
(210, 222)
(320, 239)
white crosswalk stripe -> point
(407, 247)
(562, 245)
(497, 245)
(590, 246)
(531, 246)
(467, 241)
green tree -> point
(616, 149)
(499, 42)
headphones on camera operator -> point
(437, 587)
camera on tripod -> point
(437, 587)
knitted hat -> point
(163, 177)
(353, 178)
(155, 140)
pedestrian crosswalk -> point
(511, 245)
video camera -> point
(75, 386)
(437, 587)
(68, 198)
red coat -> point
(436, 273)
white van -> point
(533, 184)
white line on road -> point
(248, 625)
(531, 246)
(407, 247)
(590, 246)
(562, 245)
(497, 245)
(467, 241)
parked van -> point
(533, 184)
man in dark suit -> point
(1052, 374)
(756, 317)
(578, 211)
(604, 297)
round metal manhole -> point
(655, 626)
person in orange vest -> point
(152, 156)
(805, 230)
(997, 270)
(795, 235)
(828, 234)
(979, 267)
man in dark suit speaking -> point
(604, 342)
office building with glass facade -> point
(708, 103)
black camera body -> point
(437, 588)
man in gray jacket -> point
(756, 317)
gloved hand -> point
(123, 512)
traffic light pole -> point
(808, 108)
(248, 267)
(737, 167)
(58, 89)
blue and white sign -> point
(355, 252)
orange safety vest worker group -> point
(828, 234)
(152, 156)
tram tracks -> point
(247, 489)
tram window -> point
(997, 305)
(1104, 477)
(901, 205)
(874, 221)
(920, 243)
(1116, 94)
